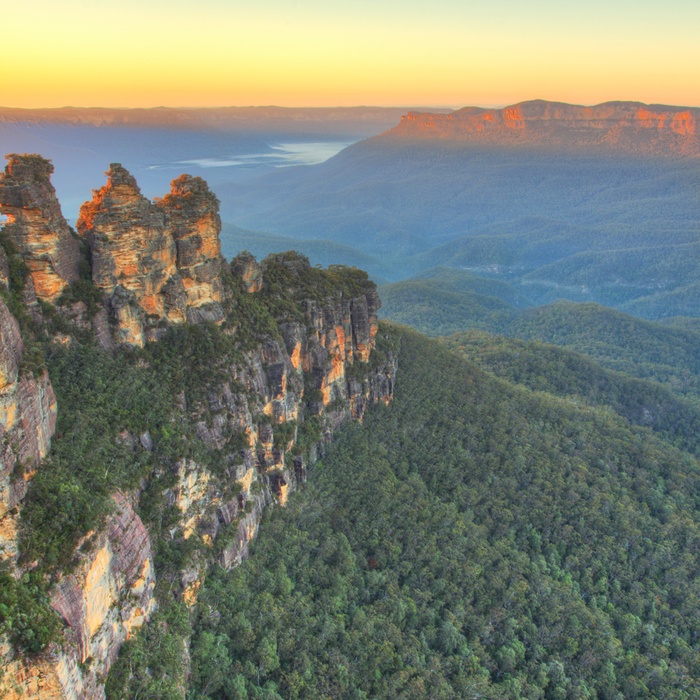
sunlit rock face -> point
(106, 598)
(630, 127)
(133, 256)
(36, 225)
(192, 214)
(157, 263)
(27, 423)
(335, 336)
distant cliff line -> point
(625, 127)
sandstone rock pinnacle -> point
(37, 226)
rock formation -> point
(630, 127)
(245, 266)
(36, 225)
(336, 332)
(133, 256)
(305, 363)
(27, 423)
(157, 263)
(102, 603)
(192, 212)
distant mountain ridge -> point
(361, 120)
(631, 127)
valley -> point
(234, 472)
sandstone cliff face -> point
(108, 597)
(248, 269)
(319, 370)
(27, 423)
(262, 417)
(133, 256)
(630, 127)
(192, 212)
(157, 263)
(36, 225)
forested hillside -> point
(473, 539)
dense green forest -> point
(562, 372)
(668, 355)
(474, 539)
(445, 301)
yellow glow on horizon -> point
(212, 53)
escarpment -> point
(628, 127)
(27, 423)
(202, 392)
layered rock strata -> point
(630, 127)
(265, 414)
(36, 225)
(156, 263)
(27, 423)
(102, 602)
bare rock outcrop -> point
(627, 127)
(157, 263)
(105, 600)
(27, 423)
(133, 256)
(192, 213)
(102, 603)
(247, 268)
(335, 335)
(36, 225)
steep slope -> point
(474, 539)
(178, 423)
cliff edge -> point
(629, 127)
(201, 390)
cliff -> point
(216, 387)
(27, 423)
(630, 127)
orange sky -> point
(314, 53)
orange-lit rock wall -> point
(157, 263)
(629, 127)
(36, 225)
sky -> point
(450, 53)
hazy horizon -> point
(407, 106)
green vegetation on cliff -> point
(474, 539)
